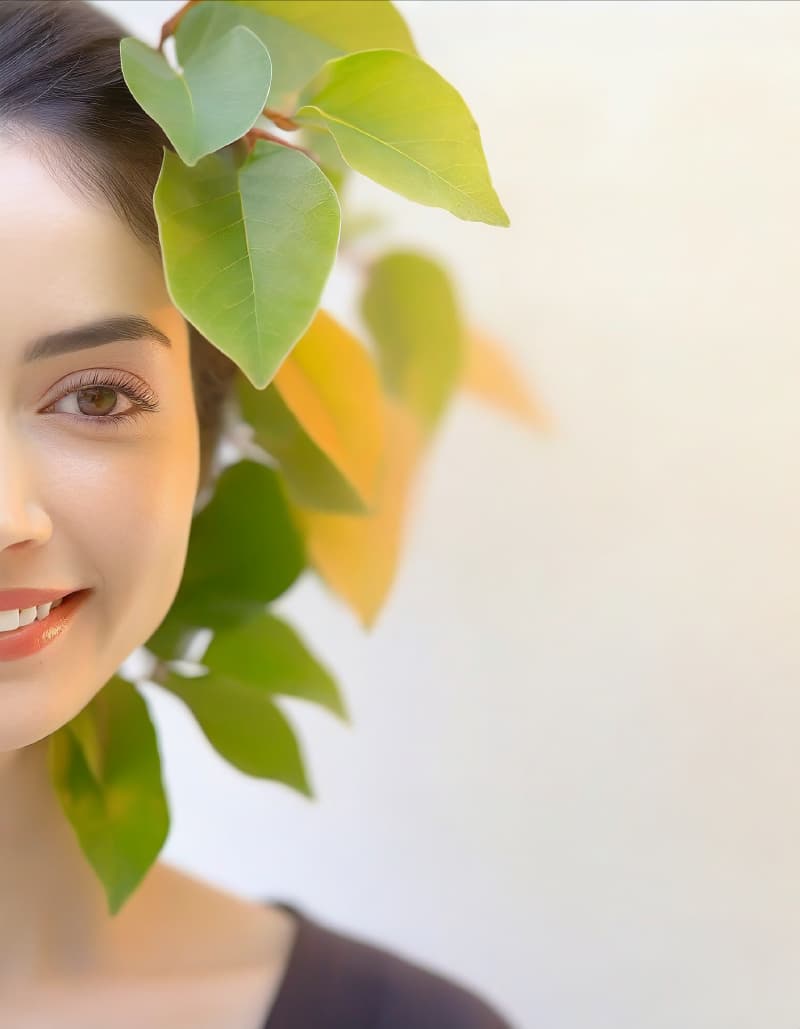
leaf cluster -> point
(250, 225)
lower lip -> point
(30, 639)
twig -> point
(169, 26)
(283, 121)
(258, 133)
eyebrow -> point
(94, 334)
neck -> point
(48, 891)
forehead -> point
(64, 259)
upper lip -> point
(22, 598)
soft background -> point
(573, 774)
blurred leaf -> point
(267, 655)
(310, 476)
(244, 551)
(332, 387)
(490, 375)
(244, 725)
(106, 770)
(362, 223)
(412, 312)
(247, 248)
(357, 556)
(299, 36)
(397, 121)
(218, 97)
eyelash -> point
(144, 398)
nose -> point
(22, 518)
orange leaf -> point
(331, 386)
(357, 555)
(490, 375)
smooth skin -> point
(84, 503)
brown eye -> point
(92, 399)
(97, 400)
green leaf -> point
(244, 551)
(244, 726)
(421, 346)
(247, 248)
(106, 770)
(322, 145)
(311, 478)
(360, 224)
(299, 36)
(218, 97)
(268, 656)
(399, 122)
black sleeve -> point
(418, 997)
(336, 981)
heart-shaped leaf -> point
(217, 98)
(397, 121)
(357, 556)
(244, 725)
(247, 248)
(106, 770)
(490, 374)
(244, 551)
(268, 655)
(299, 36)
(331, 385)
(420, 344)
(310, 476)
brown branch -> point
(169, 26)
(283, 121)
(258, 133)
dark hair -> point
(62, 94)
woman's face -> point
(86, 501)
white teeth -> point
(27, 615)
(10, 620)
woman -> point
(106, 439)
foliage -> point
(250, 225)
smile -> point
(18, 618)
(50, 621)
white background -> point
(574, 773)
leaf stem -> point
(171, 24)
(283, 121)
(258, 133)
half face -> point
(99, 444)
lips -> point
(18, 599)
(31, 639)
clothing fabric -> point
(336, 981)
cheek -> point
(126, 506)
(121, 513)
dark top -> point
(336, 981)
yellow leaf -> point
(357, 555)
(490, 375)
(331, 386)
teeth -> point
(27, 615)
(10, 620)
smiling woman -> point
(110, 411)
(109, 406)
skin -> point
(73, 498)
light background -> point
(573, 777)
